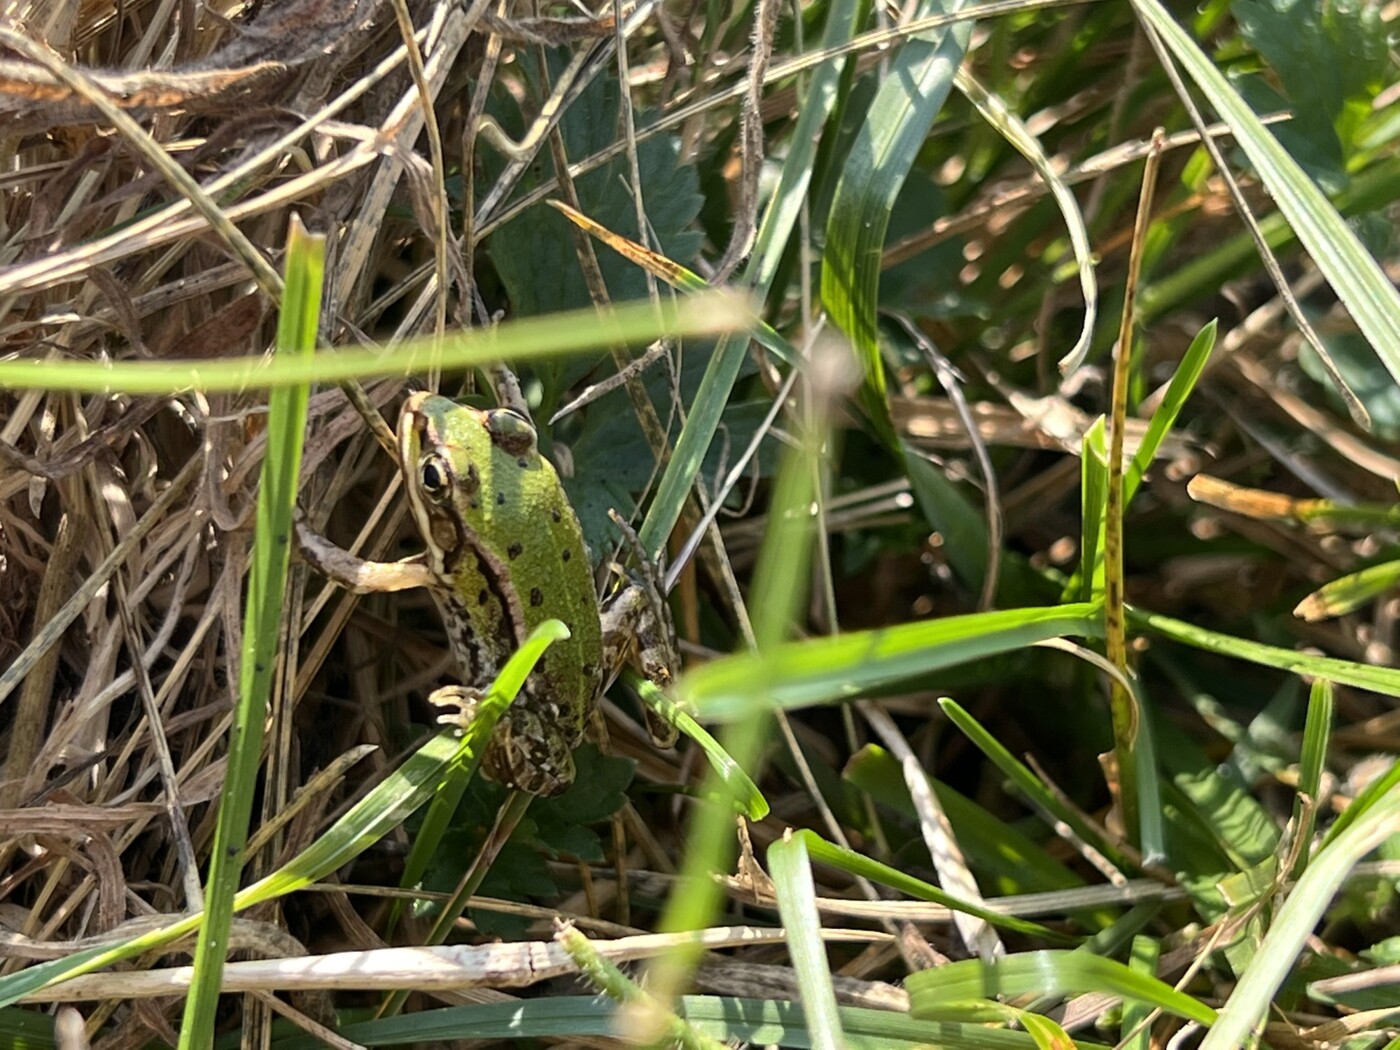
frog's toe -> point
(463, 698)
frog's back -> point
(524, 519)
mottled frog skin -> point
(505, 552)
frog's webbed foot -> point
(525, 753)
(464, 698)
(531, 755)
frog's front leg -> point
(637, 629)
(355, 573)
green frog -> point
(504, 553)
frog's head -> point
(465, 469)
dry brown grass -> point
(306, 106)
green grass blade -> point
(704, 414)
(267, 579)
(1183, 381)
(797, 906)
(710, 313)
(824, 670)
(1252, 997)
(911, 95)
(791, 192)
(1136, 1034)
(1049, 972)
(779, 585)
(1317, 732)
(757, 1022)
(1011, 128)
(464, 765)
(738, 785)
(857, 864)
(608, 978)
(1346, 672)
(1027, 782)
(1350, 592)
(1355, 276)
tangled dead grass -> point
(120, 695)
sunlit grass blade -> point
(1344, 672)
(791, 872)
(913, 91)
(858, 864)
(710, 313)
(1136, 1032)
(756, 1022)
(1252, 998)
(703, 417)
(1183, 381)
(824, 670)
(1317, 732)
(1028, 783)
(643, 1010)
(779, 588)
(1348, 593)
(1355, 276)
(738, 786)
(267, 579)
(1011, 128)
(1371, 795)
(1049, 972)
(460, 771)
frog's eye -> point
(435, 477)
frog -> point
(504, 551)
